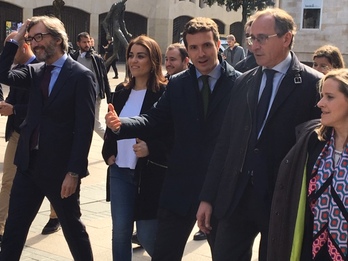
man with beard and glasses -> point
(52, 152)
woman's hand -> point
(140, 149)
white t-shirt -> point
(125, 155)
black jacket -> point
(294, 104)
(150, 170)
(181, 109)
(100, 74)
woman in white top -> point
(136, 166)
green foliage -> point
(248, 7)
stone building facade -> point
(163, 19)
(318, 22)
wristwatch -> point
(73, 174)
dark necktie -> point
(46, 80)
(44, 85)
(205, 92)
(263, 104)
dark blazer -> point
(294, 103)
(18, 98)
(150, 170)
(66, 118)
(181, 109)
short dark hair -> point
(201, 24)
(82, 35)
(181, 48)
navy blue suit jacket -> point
(180, 109)
(66, 118)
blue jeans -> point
(123, 191)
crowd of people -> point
(241, 144)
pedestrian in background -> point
(234, 52)
(90, 59)
(109, 52)
(326, 58)
(249, 62)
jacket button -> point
(256, 150)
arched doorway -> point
(69, 14)
(238, 31)
(178, 27)
(221, 26)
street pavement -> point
(95, 211)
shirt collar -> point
(215, 73)
(283, 66)
(60, 62)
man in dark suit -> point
(181, 110)
(15, 108)
(242, 172)
(51, 156)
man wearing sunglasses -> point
(255, 137)
(52, 151)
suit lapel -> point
(253, 85)
(287, 86)
(122, 97)
(63, 76)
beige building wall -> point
(160, 13)
(333, 30)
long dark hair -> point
(156, 77)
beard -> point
(44, 53)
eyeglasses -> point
(260, 38)
(37, 37)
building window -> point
(311, 14)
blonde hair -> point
(341, 77)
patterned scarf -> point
(328, 194)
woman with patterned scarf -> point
(309, 217)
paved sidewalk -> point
(95, 211)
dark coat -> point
(181, 109)
(150, 170)
(293, 104)
(100, 74)
(287, 192)
(66, 118)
